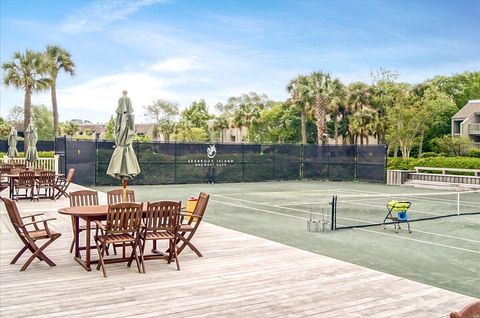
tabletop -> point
(88, 210)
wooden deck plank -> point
(240, 276)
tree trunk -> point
(304, 128)
(53, 92)
(420, 147)
(321, 118)
(27, 114)
(335, 128)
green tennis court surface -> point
(442, 252)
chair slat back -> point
(70, 174)
(201, 206)
(162, 215)
(46, 178)
(116, 196)
(123, 218)
(83, 198)
(13, 213)
(26, 178)
(20, 166)
(6, 168)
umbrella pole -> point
(124, 193)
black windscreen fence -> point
(177, 163)
(42, 145)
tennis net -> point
(363, 210)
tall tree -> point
(5, 129)
(363, 123)
(462, 87)
(298, 89)
(70, 128)
(247, 115)
(358, 98)
(336, 105)
(57, 59)
(221, 123)
(197, 114)
(163, 113)
(25, 71)
(320, 96)
(405, 122)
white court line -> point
(420, 241)
(290, 191)
(417, 196)
(261, 210)
(303, 211)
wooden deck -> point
(239, 276)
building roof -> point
(143, 128)
(96, 128)
(473, 106)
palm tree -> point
(25, 71)
(320, 95)
(58, 59)
(247, 115)
(358, 97)
(298, 88)
(336, 104)
(221, 123)
(363, 123)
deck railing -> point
(50, 164)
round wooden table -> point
(89, 214)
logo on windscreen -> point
(211, 151)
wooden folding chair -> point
(161, 222)
(25, 181)
(46, 182)
(5, 169)
(190, 223)
(470, 311)
(123, 226)
(116, 196)
(81, 198)
(62, 184)
(30, 237)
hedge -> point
(41, 154)
(437, 162)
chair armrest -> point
(32, 215)
(100, 225)
(36, 222)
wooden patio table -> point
(89, 214)
(13, 177)
(92, 213)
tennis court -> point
(442, 252)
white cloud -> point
(98, 97)
(174, 65)
(96, 15)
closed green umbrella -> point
(31, 154)
(12, 144)
(123, 164)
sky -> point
(186, 50)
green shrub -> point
(474, 153)
(429, 154)
(41, 154)
(437, 162)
